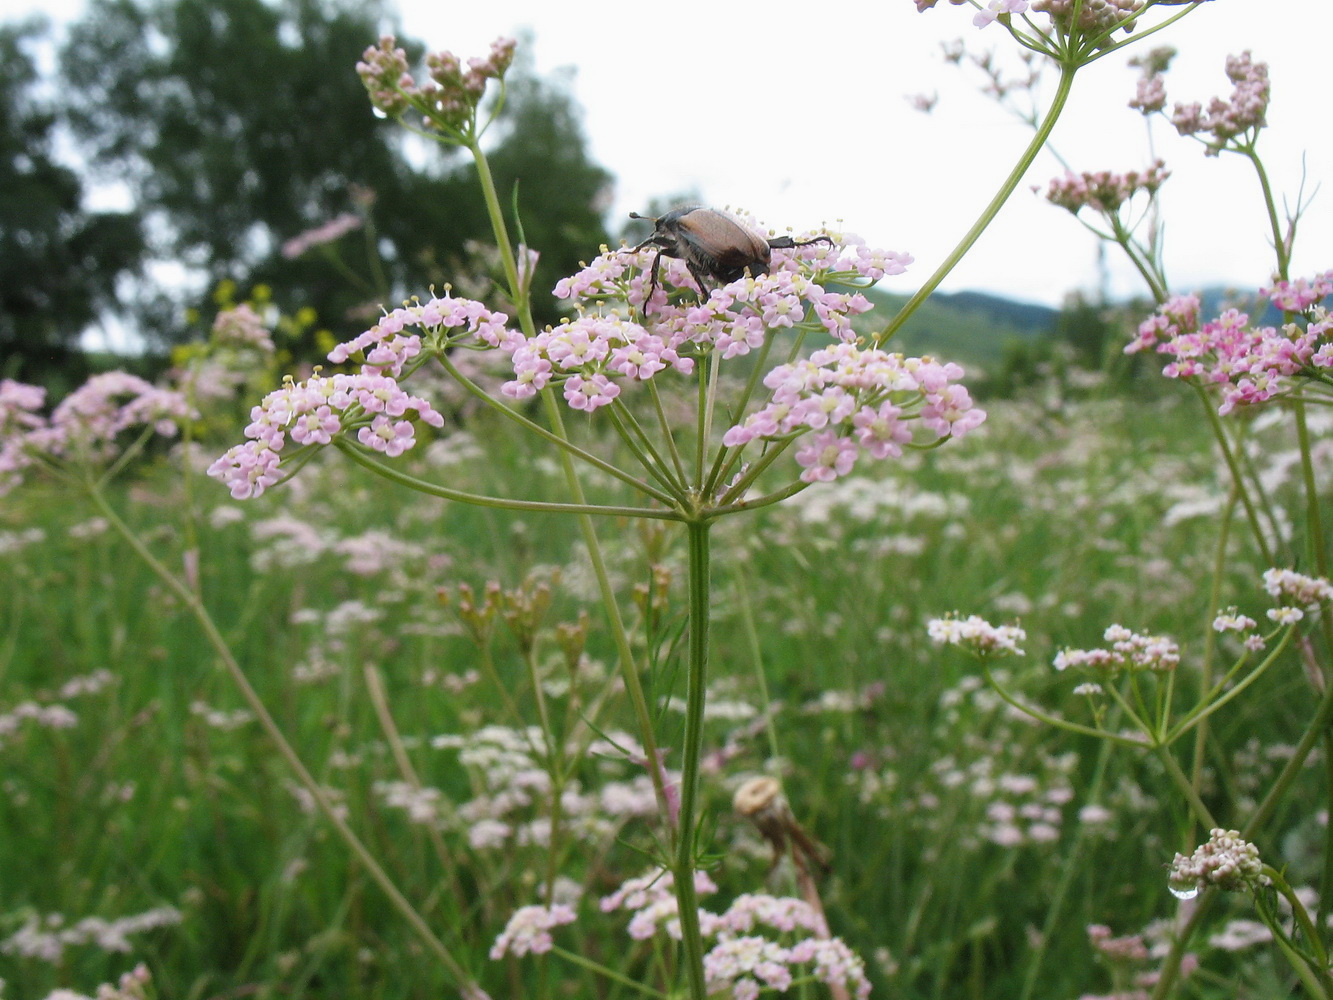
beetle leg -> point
(698, 276)
(652, 289)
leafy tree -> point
(59, 264)
(242, 123)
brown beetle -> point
(714, 245)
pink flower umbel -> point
(312, 412)
(1128, 650)
(1243, 115)
(371, 404)
(1103, 191)
(529, 930)
(87, 426)
(1304, 591)
(1248, 365)
(448, 100)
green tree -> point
(241, 124)
(59, 264)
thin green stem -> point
(707, 369)
(1052, 720)
(628, 667)
(1326, 876)
(1270, 205)
(1185, 787)
(757, 660)
(1011, 182)
(1073, 864)
(1215, 699)
(1139, 718)
(602, 970)
(665, 426)
(740, 405)
(1313, 515)
(1210, 634)
(645, 452)
(1170, 971)
(507, 259)
(546, 435)
(764, 501)
(1302, 916)
(700, 601)
(616, 622)
(773, 450)
(1291, 770)
(1219, 432)
(380, 702)
(361, 458)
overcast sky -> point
(798, 113)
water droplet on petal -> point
(1184, 892)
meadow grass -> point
(969, 848)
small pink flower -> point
(826, 457)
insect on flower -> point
(713, 244)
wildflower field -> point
(968, 849)
(699, 645)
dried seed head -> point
(757, 795)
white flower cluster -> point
(1226, 861)
(977, 634)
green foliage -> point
(240, 125)
(59, 263)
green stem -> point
(602, 970)
(1215, 699)
(757, 659)
(1291, 770)
(380, 702)
(1185, 787)
(1237, 477)
(507, 259)
(545, 435)
(1302, 917)
(1210, 634)
(360, 457)
(1074, 863)
(700, 599)
(665, 426)
(1052, 720)
(1279, 244)
(1326, 876)
(1011, 182)
(1314, 519)
(1170, 971)
(636, 439)
(628, 668)
(614, 619)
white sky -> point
(799, 115)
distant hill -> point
(968, 327)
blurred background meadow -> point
(146, 817)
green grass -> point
(1059, 521)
